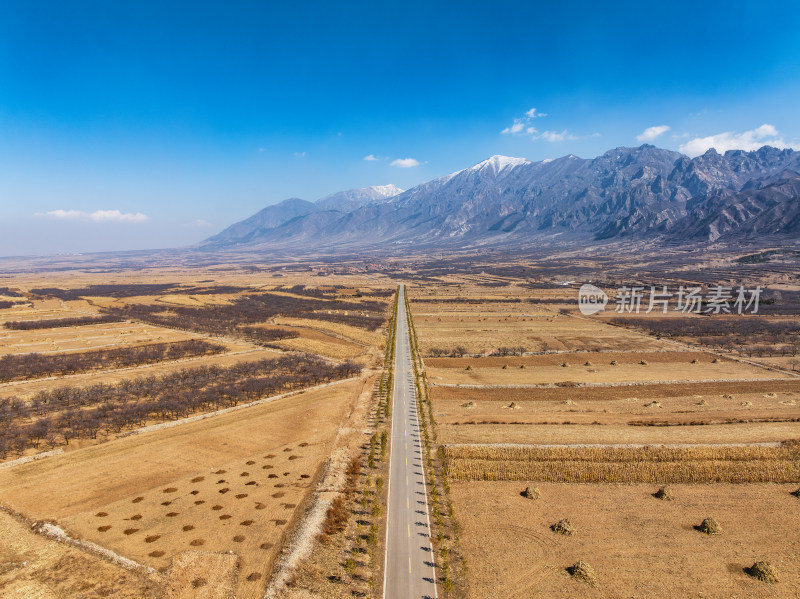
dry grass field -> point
(590, 406)
(33, 567)
(236, 482)
(479, 332)
(639, 547)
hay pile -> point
(664, 494)
(469, 404)
(710, 527)
(763, 571)
(513, 406)
(588, 363)
(568, 402)
(563, 527)
(694, 361)
(746, 404)
(653, 404)
(531, 493)
(643, 363)
(583, 572)
(613, 362)
(727, 396)
(564, 364)
(702, 402)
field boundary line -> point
(31, 458)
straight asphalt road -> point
(409, 571)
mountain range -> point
(642, 192)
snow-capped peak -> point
(387, 191)
(499, 163)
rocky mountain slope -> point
(626, 192)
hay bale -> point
(710, 527)
(568, 402)
(763, 571)
(513, 406)
(746, 404)
(613, 362)
(664, 494)
(468, 405)
(564, 364)
(727, 396)
(771, 395)
(643, 362)
(531, 492)
(588, 363)
(583, 572)
(653, 404)
(702, 402)
(563, 527)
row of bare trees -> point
(750, 336)
(57, 416)
(233, 318)
(17, 367)
(54, 323)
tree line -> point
(747, 334)
(17, 367)
(53, 323)
(233, 318)
(57, 416)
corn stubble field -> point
(585, 453)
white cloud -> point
(405, 162)
(299, 154)
(552, 136)
(519, 125)
(97, 216)
(370, 158)
(532, 114)
(651, 133)
(765, 135)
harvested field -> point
(638, 546)
(697, 464)
(627, 368)
(644, 390)
(576, 359)
(87, 337)
(569, 434)
(488, 331)
(139, 490)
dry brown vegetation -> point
(697, 464)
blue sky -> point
(144, 124)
